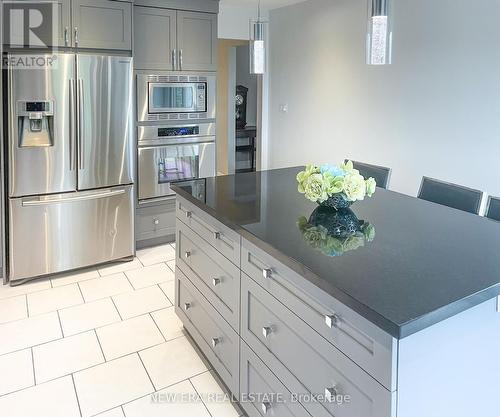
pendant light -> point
(258, 36)
(379, 33)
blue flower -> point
(334, 170)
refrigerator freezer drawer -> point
(61, 232)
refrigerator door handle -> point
(81, 140)
(72, 124)
(43, 201)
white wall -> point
(234, 19)
(434, 112)
(243, 77)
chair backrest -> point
(451, 195)
(493, 208)
(381, 174)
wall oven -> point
(175, 96)
(169, 154)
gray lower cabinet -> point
(281, 338)
(211, 272)
(102, 24)
(217, 340)
(261, 392)
(154, 38)
(197, 41)
(155, 222)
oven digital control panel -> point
(178, 131)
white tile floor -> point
(102, 342)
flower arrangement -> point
(333, 234)
(321, 183)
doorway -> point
(239, 95)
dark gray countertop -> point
(427, 262)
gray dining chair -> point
(493, 208)
(451, 195)
(381, 174)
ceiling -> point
(266, 4)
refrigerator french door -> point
(70, 165)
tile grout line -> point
(147, 373)
(156, 324)
(27, 306)
(161, 289)
(33, 365)
(60, 324)
(200, 397)
(100, 346)
(76, 395)
(116, 308)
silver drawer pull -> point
(331, 394)
(216, 235)
(187, 254)
(266, 407)
(266, 331)
(332, 321)
(216, 281)
(187, 306)
(156, 221)
(216, 341)
(188, 214)
(267, 273)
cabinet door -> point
(154, 38)
(102, 24)
(197, 41)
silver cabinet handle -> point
(267, 273)
(216, 341)
(76, 36)
(174, 59)
(180, 59)
(156, 222)
(187, 306)
(188, 214)
(265, 407)
(72, 125)
(216, 281)
(266, 331)
(216, 235)
(66, 36)
(187, 254)
(332, 321)
(331, 393)
(81, 141)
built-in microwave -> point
(175, 96)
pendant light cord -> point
(258, 12)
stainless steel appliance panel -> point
(49, 234)
(161, 165)
(41, 143)
(177, 107)
(105, 124)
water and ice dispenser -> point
(35, 123)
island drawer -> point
(212, 273)
(367, 345)
(308, 363)
(221, 237)
(261, 393)
(217, 340)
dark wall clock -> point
(241, 106)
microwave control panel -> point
(178, 131)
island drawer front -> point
(221, 237)
(306, 361)
(370, 347)
(261, 391)
(217, 340)
(216, 277)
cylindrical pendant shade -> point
(258, 43)
(379, 33)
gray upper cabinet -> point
(154, 38)
(197, 41)
(102, 24)
(166, 39)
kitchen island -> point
(401, 322)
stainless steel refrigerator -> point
(70, 165)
